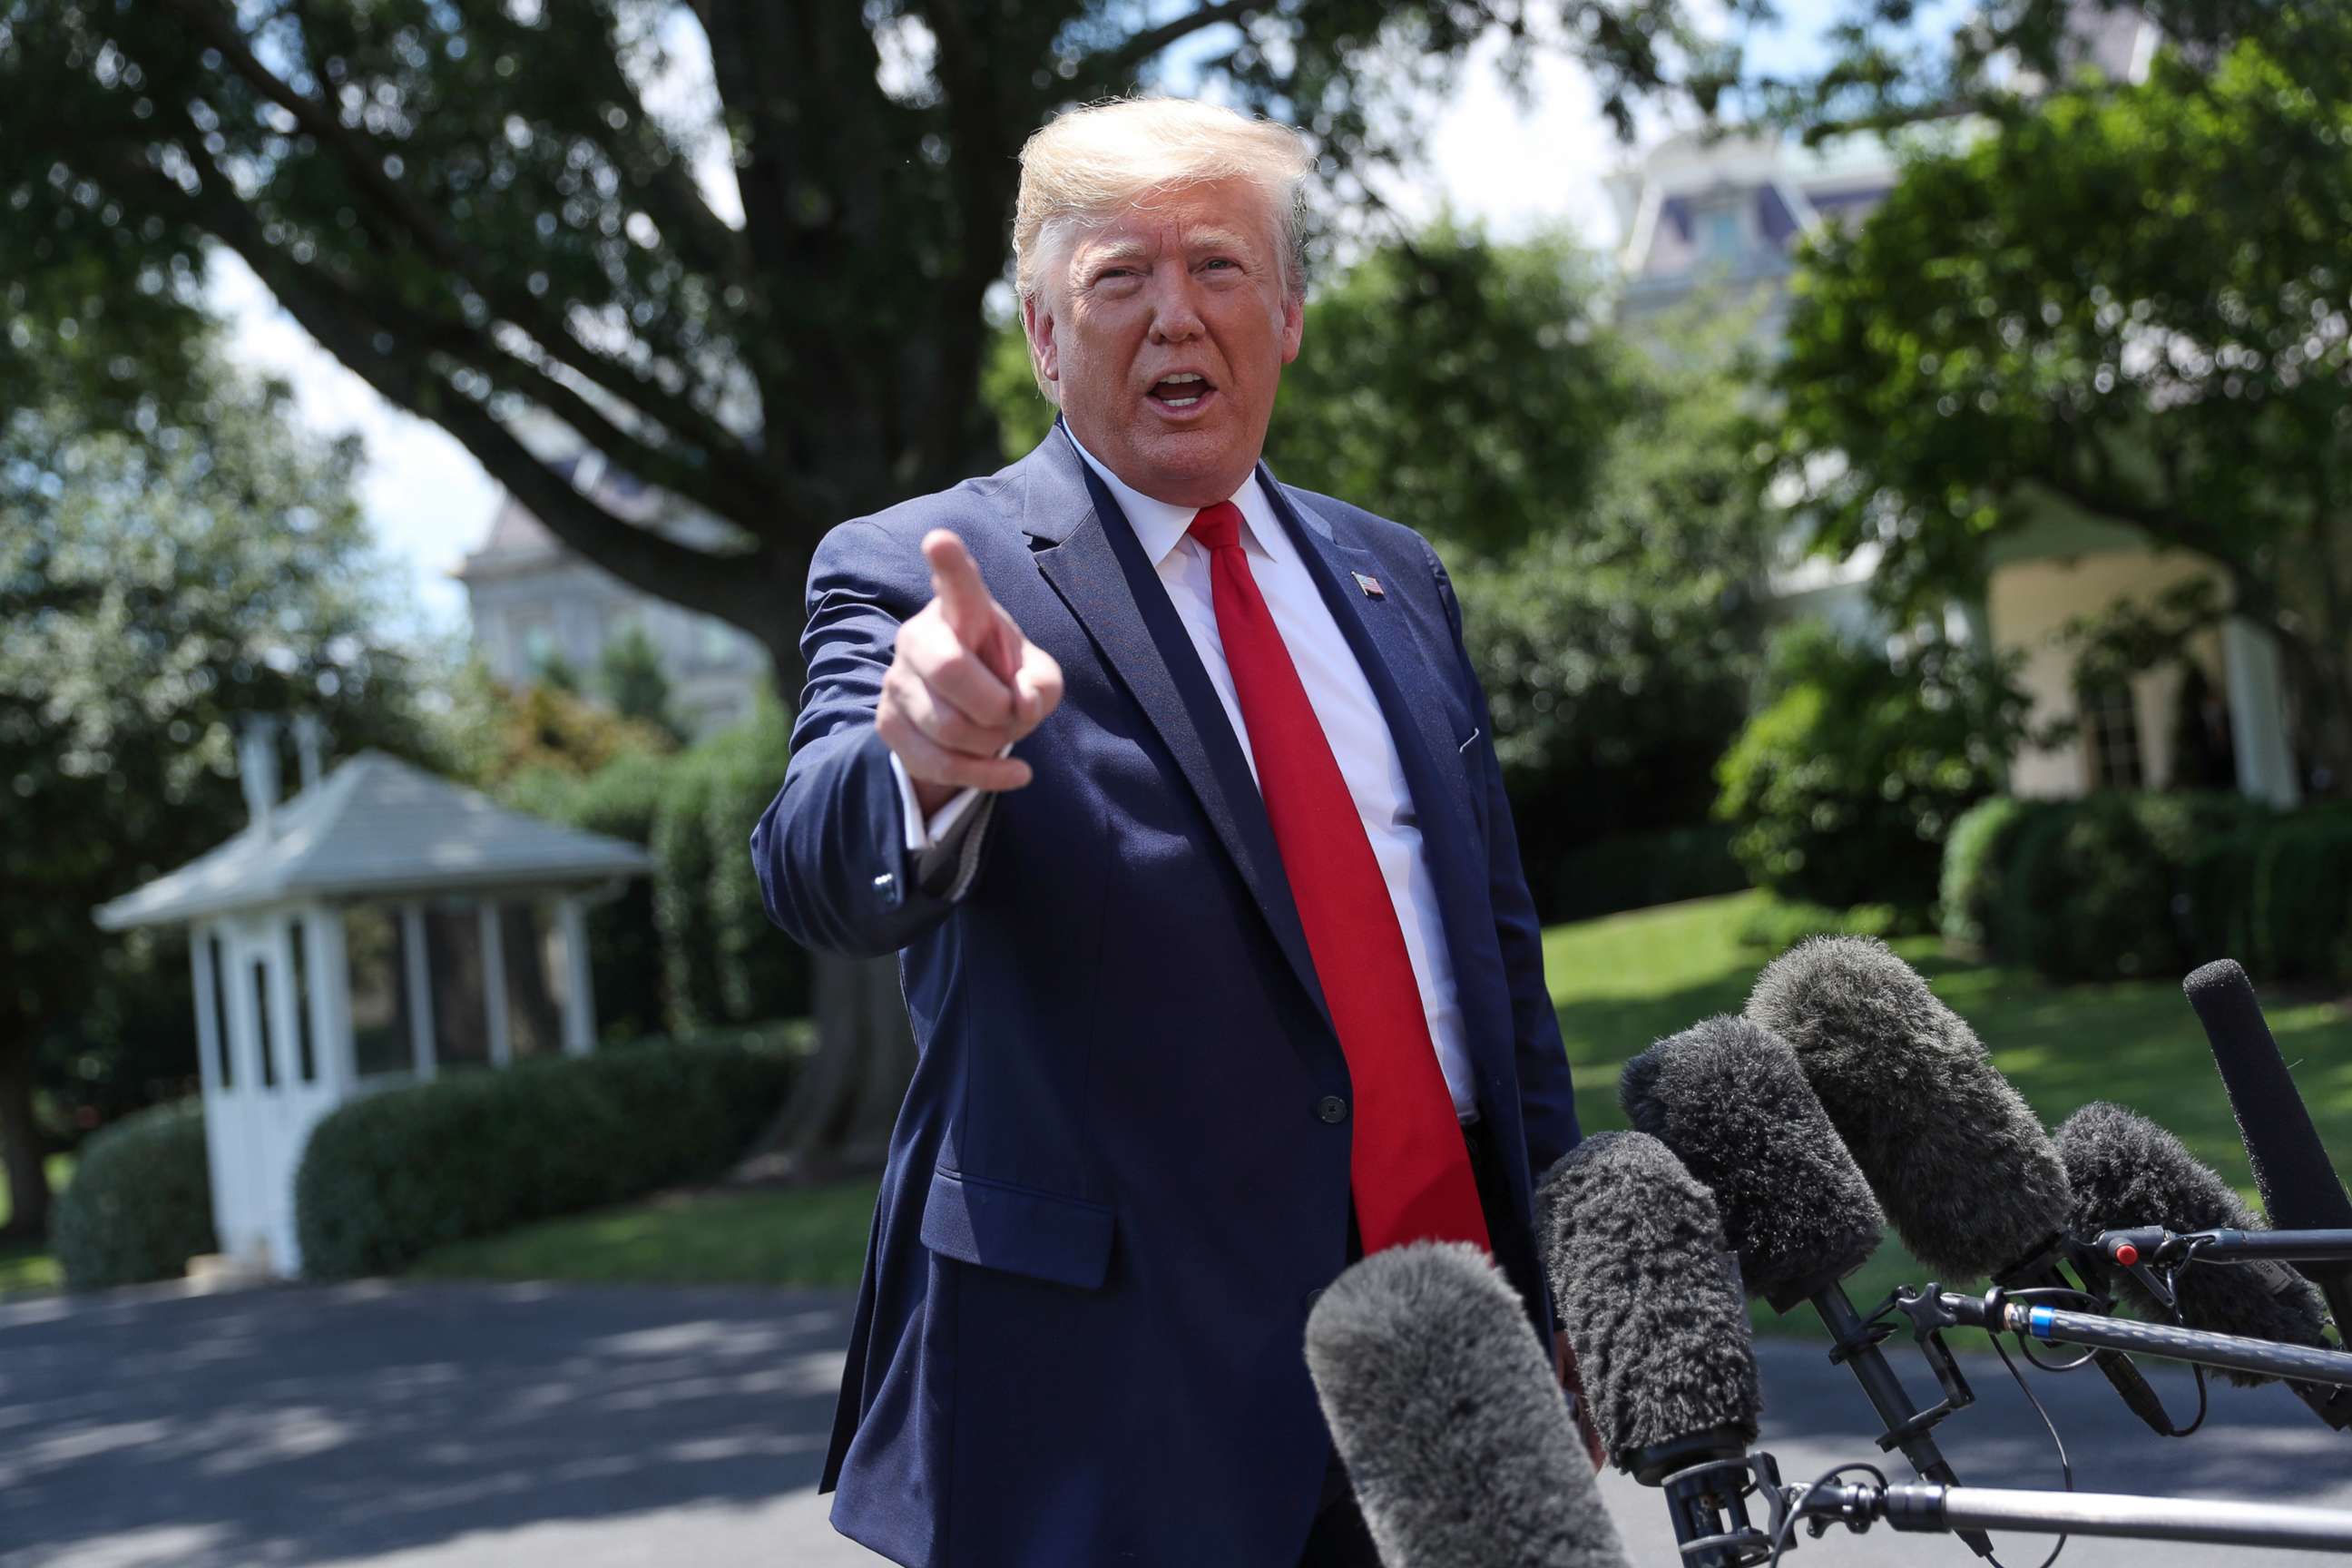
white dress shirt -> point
(1342, 698)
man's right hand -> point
(963, 685)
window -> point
(383, 1038)
(532, 947)
(461, 1008)
(261, 1023)
(220, 1013)
(2111, 736)
(306, 1065)
(1720, 232)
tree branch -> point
(220, 30)
(1118, 65)
(704, 579)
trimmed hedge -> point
(387, 1178)
(1636, 870)
(2120, 885)
(140, 1202)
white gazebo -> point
(383, 926)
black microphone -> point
(1729, 1099)
(1650, 1302)
(1444, 1409)
(2299, 1187)
(1956, 1157)
(1647, 1293)
(2128, 1173)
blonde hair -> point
(1084, 168)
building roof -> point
(375, 826)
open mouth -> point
(1181, 393)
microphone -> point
(1952, 1150)
(1443, 1407)
(1958, 1158)
(1729, 1099)
(2299, 1187)
(1650, 1302)
(2128, 1173)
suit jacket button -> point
(1331, 1108)
(886, 888)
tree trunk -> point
(20, 1149)
(837, 1120)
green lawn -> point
(811, 1236)
(1620, 984)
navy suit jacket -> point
(1113, 1193)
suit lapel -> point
(1402, 678)
(1086, 551)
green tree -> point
(1591, 495)
(2127, 303)
(1844, 783)
(152, 590)
(1460, 385)
(629, 672)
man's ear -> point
(1294, 326)
(1044, 357)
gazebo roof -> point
(375, 826)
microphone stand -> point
(1932, 1310)
(1937, 1510)
(1855, 1341)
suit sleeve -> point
(1547, 1093)
(831, 851)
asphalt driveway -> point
(530, 1426)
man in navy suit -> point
(1174, 791)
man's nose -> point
(1175, 308)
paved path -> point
(527, 1427)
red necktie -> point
(1408, 1167)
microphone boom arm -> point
(1992, 1311)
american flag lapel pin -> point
(1370, 585)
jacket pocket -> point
(1018, 1230)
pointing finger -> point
(963, 598)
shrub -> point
(759, 972)
(622, 800)
(2276, 895)
(1975, 857)
(1635, 870)
(140, 1202)
(387, 1178)
(2112, 885)
(2087, 894)
(1843, 786)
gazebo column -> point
(331, 991)
(494, 982)
(579, 995)
(420, 989)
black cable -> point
(2065, 1466)
(1780, 1540)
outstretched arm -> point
(918, 683)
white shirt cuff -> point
(932, 833)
